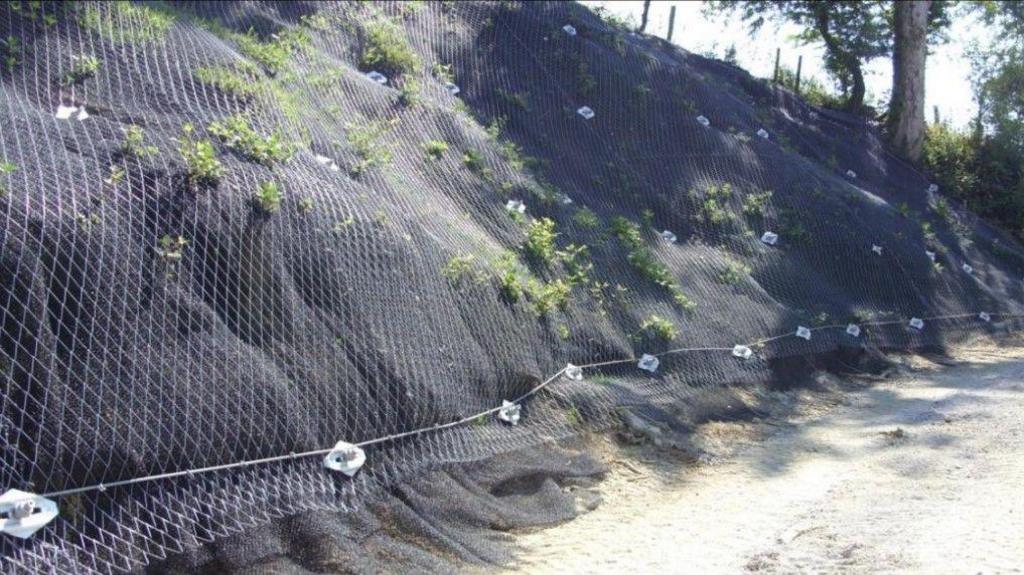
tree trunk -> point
(910, 51)
(643, 17)
(849, 62)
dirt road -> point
(922, 474)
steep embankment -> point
(223, 241)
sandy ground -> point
(920, 474)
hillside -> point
(224, 242)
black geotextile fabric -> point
(154, 324)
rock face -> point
(323, 257)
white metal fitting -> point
(23, 513)
(346, 458)
(569, 29)
(586, 112)
(452, 88)
(770, 238)
(515, 206)
(877, 249)
(984, 316)
(703, 121)
(917, 323)
(851, 174)
(648, 363)
(931, 255)
(669, 236)
(967, 268)
(853, 330)
(509, 412)
(742, 352)
(932, 188)
(803, 332)
(573, 372)
(377, 77)
(763, 133)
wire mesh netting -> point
(227, 245)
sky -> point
(947, 76)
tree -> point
(643, 17)
(905, 119)
(853, 32)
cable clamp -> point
(346, 458)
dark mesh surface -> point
(333, 318)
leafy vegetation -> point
(268, 197)
(240, 81)
(127, 21)
(713, 204)
(134, 144)
(436, 148)
(364, 140)
(755, 203)
(84, 68)
(733, 272)
(659, 327)
(201, 164)
(236, 133)
(474, 160)
(12, 51)
(644, 261)
(386, 49)
(540, 241)
(586, 218)
(6, 168)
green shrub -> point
(459, 267)
(507, 272)
(436, 148)
(586, 218)
(272, 55)
(409, 92)
(713, 204)
(547, 297)
(238, 135)
(240, 80)
(755, 203)
(540, 241)
(13, 51)
(659, 327)
(386, 49)
(127, 21)
(364, 139)
(201, 164)
(268, 197)
(83, 69)
(733, 272)
(644, 261)
(473, 160)
(5, 169)
(134, 143)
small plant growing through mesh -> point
(6, 168)
(474, 160)
(943, 209)
(540, 241)
(134, 144)
(563, 331)
(268, 197)
(12, 52)
(85, 67)
(117, 175)
(305, 205)
(714, 203)
(201, 164)
(733, 272)
(171, 248)
(459, 268)
(547, 297)
(659, 327)
(409, 92)
(363, 139)
(792, 228)
(436, 148)
(507, 273)
(644, 261)
(442, 72)
(386, 49)
(586, 218)
(237, 134)
(756, 203)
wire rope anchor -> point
(452, 88)
(23, 513)
(877, 249)
(377, 77)
(853, 330)
(932, 188)
(851, 174)
(763, 133)
(586, 112)
(742, 352)
(510, 412)
(917, 323)
(515, 206)
(803, 332)
(573, 372)
(931, 255)
(648, 363)
(984, 316)
(703, 121)
(346, 458)
(569, 29)
(770, 238)
(968, 269)
(669, 236)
